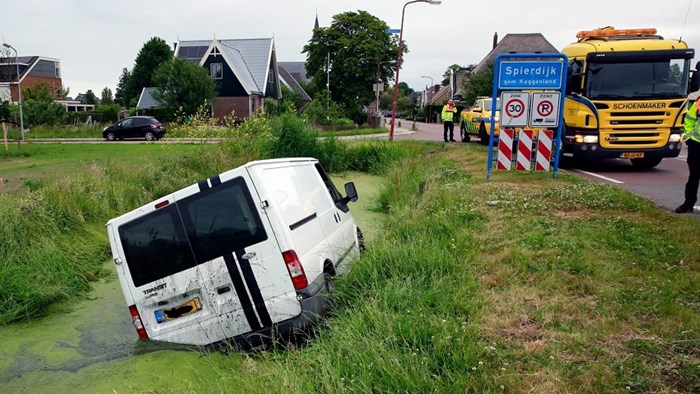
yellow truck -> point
(626, 95)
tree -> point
(356, 42)
(90, 97)
(153, 53)
(184, 85)
(120, 95)
(39, 92)
(480, 84)
(106, 97)
(455, 68)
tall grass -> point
(54, 241)
(520, 284)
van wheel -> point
(483, 136)
(463, 132)
(361, 241)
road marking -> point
(600, 176)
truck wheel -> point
(463, 132)
(646, 163)
(483, 136)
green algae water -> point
(89, 345)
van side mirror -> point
(351, 192)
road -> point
(663, 184)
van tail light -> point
(296, 271)
(138, 324)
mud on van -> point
(238, 256)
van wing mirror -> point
(351, 192)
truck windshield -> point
(638, 80)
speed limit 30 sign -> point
(515, 109)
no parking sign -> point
(545, 110)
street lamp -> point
(398, 64)
(19, 89)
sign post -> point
(532, 86)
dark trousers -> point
(691, 188)
(449, 126)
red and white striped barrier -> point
(505, 149)
(524, 150)
(544, 150)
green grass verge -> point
(518, 284)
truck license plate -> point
(632, 155)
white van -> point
(240, 256)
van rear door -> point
(159, 275)
(237, 253)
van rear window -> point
(194, 230)
(155, 246)
(221, 220)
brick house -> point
(245, 72)
(33, 70)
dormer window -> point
(216, 70)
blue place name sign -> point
(530, 75)
(393, 31)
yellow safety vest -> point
(691, 125)
(448, 113)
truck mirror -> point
(351, 192)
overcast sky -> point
(94, 40)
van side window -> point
(155, 246)
(335, 195)
(221, 220)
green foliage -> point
(108, 112)
(153, 53)
(40, 112)
(90, 97)
(289, 103)
(4, 110)
(323, 110)
(356, 43)
(183, 86)
(106, 96)
(121, 95)
(478, 84)
(449, 72)
(405, 105)
(39, 92)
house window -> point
(216, 70)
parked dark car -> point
(146, 127)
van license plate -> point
(632, 155)
(185, 309)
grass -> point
(518, 284)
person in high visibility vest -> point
(691, 136)
(448, 112)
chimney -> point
(495, 39)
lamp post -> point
(19, 89)
(398, 63)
